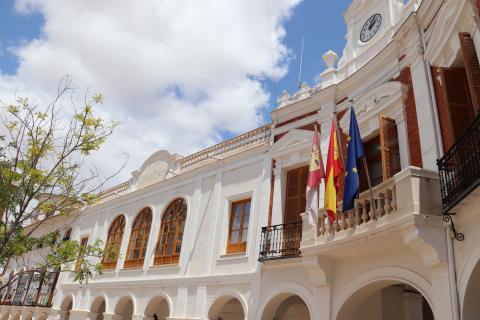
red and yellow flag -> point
(316, 171)
(315, 175)
(334, 168)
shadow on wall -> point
(286, 307)
(384, 300)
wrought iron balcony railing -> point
(280, 241)
(459, 168)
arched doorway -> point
(471, 307)
(386, 300)
(124, 308)
(98, 307)
(157, 309)
(65, 307)
(286, 306)
(226, 308)
(29, 316)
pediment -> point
(381, 99)
(156, 168)
(294, 139)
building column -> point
(277, 216)
(442, 304)
(140, 317)
(81, 315)
(57, 314)
(110, 316)
(412, 306)
(425, 114)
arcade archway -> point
(286, 306)
(98, 307)
(226, 308)
(124, 308)
(158, 309)
(386, 300)
(65, 307)
(471, 306)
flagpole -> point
(364, 160)
(340, 148)
(339, 138)
(370, 186)
(318, 187)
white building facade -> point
(221, 234)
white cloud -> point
(175, 73)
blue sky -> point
(323, 28)
(321, 25)
(15, 29)
(161, 66)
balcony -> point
(385, 197)
(280, 241)
(459, 168)
(399, 202)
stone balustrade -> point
(114, 191)
(385, 203)
(244, 141)
(249, 139)
(411, 191)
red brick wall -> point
(411, 119)
(303, 116)
(305, 127)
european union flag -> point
(354, 152)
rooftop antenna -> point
(301, 62)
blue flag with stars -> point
(354, 152)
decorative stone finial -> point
(283, 99)
(330, 58)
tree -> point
(42, 174)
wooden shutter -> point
(295, 196)
(389, 147)
(472, 68)
(457, 98)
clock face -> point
(371, 27)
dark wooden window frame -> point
(114, 242)
(139, 239)
(169, 243)
(241, 244)
(22, 288)
(83, 244)
(299, 197)
(47, 289)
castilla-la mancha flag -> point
(315, 175)
(334, 168)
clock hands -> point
(371, 27)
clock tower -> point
(370, 25)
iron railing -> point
(459, 168)
(280, 241)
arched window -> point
(171, 233)
(114, 240)
(137, 246)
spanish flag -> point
(315, 175)
(334, 168)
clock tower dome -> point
(370, 26)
